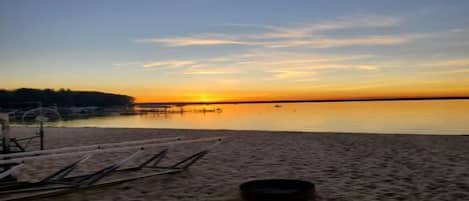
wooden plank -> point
(11, 170)
(22, 160)
(57, 192)
(86, 147)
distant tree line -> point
(26, 97)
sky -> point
(217, 50)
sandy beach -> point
(343, 166)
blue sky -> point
(178, 50)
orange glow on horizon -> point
(302, 95)
(326, 91)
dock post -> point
(5, 131)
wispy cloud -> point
(448, 66)
(450, 63)
(304, 35)
(190, 41)
(267, 65)
(301, 61)
(135, 63)
(210, 71)
(191, 67)
(327, 42)
(311, 79)
(296, 75)
(459, 71)
(307, 29)
(367, 67)
(168, 64)
(274, 57)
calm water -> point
(418, 117)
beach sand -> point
(343, 166)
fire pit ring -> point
(277, 190)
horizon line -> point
(306, 100)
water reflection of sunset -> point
(420, 117)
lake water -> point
(415, 117)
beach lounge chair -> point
(61, 182)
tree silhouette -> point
(19, 98)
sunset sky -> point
(216, 50)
